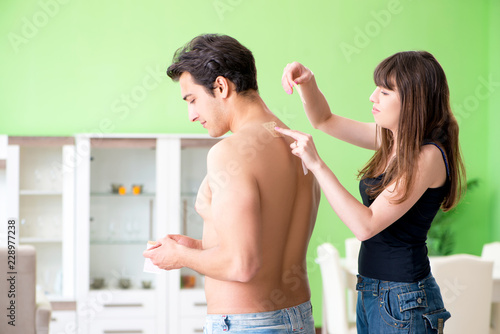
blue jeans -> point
(296, 320)
(386, 307)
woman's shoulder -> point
(433, 165)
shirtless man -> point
(257, 204)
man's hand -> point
(186, 241)
(166, 254)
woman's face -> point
(386, 108)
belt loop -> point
(359, 285)
(223, 323)
(376, 288)
(295, 316)
(421, 284)
(300, 319)
(440, 325)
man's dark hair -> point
(206, 57)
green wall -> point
(77, 66)
(494, 119)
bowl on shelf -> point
(124, 283)
(115, 187)
(146, 284)
(97, 283)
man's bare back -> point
(258, 206)
(256, 183)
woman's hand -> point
(304, 148)
(295, 74)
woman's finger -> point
(290, 133)
(287, 79)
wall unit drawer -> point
(193, 303)
(123, 326)
(192, 325)
(62, 322)
(125, 303)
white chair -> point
(334, 292)
(352, 246)
(491, 252)
(466, 283)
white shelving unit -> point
(3, 188)
(60, 191)
(40, 194)
(113, 229)
(37, 189)
(187, 305)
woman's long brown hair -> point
(425, 117)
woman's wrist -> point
(317, 167)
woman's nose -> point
(374, 96)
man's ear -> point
(223, 86)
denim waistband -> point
(295, 318)
(371, 284)
(302, 308)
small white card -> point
(149, 267)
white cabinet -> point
(40, 195)
(193, 309)
(114, 225)
(3, 189)
(112, 229)
(192, 325)
(125, 312)
(123, 326)
(63, 318)
(89, 204)
(187, 301)
(118, 191)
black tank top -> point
(399, 253)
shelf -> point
(143, 195)
(194, 290)
(29, 192)
(40, 240)
(119, 242)
(130, 290)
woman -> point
(416, 169)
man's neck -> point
(245, 110)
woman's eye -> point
(384, 93)
(191, 102)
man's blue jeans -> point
(296, 320)
(386, 307)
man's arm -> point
(236, 219)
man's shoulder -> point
(223, 151)
(252, 145)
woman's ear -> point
(222, 86)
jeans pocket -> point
(397, 309)
(435, 320)
(411, 300)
